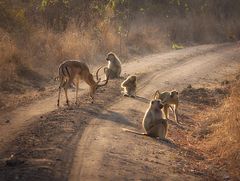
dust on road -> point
(87, 143)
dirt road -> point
(88, 143)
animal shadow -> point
(142, 99)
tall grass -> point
(8, 56)
(224, 142)
(41, 49)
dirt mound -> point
(31, 76)
(13, 87)
(40, 151)
(204, 96)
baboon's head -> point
(111, 57)
(174, 93)
(156, 105)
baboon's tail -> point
(132, 131)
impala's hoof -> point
(67, 103)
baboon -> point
(153, 122)
(114, 68)
(129, 86)
(168, 99)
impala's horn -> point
(97, 77)
(105, 82)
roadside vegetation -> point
(35, 36)
(219, 133)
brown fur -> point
(73, 70)
(114, 68)
(129, 86)
(169, 99)
(153, 122)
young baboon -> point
(129, 86)
(114, 68)
(169, 99)
(153, 122)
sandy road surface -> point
(104, 151)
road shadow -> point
(107, 115)
(115, 117)
(178, 125)
(168, 142)
(142, 99)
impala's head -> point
(96, 84)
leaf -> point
(177, 46)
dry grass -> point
(8, 50)
(41, 50)
(29, 60)
(223, 142)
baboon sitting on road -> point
(114, 68)
(153, 122)
(129, 86)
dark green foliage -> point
(56, 14)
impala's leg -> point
(77, 84)
(59, 94)
(66, 85)
(66, 95)
(62, 83)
